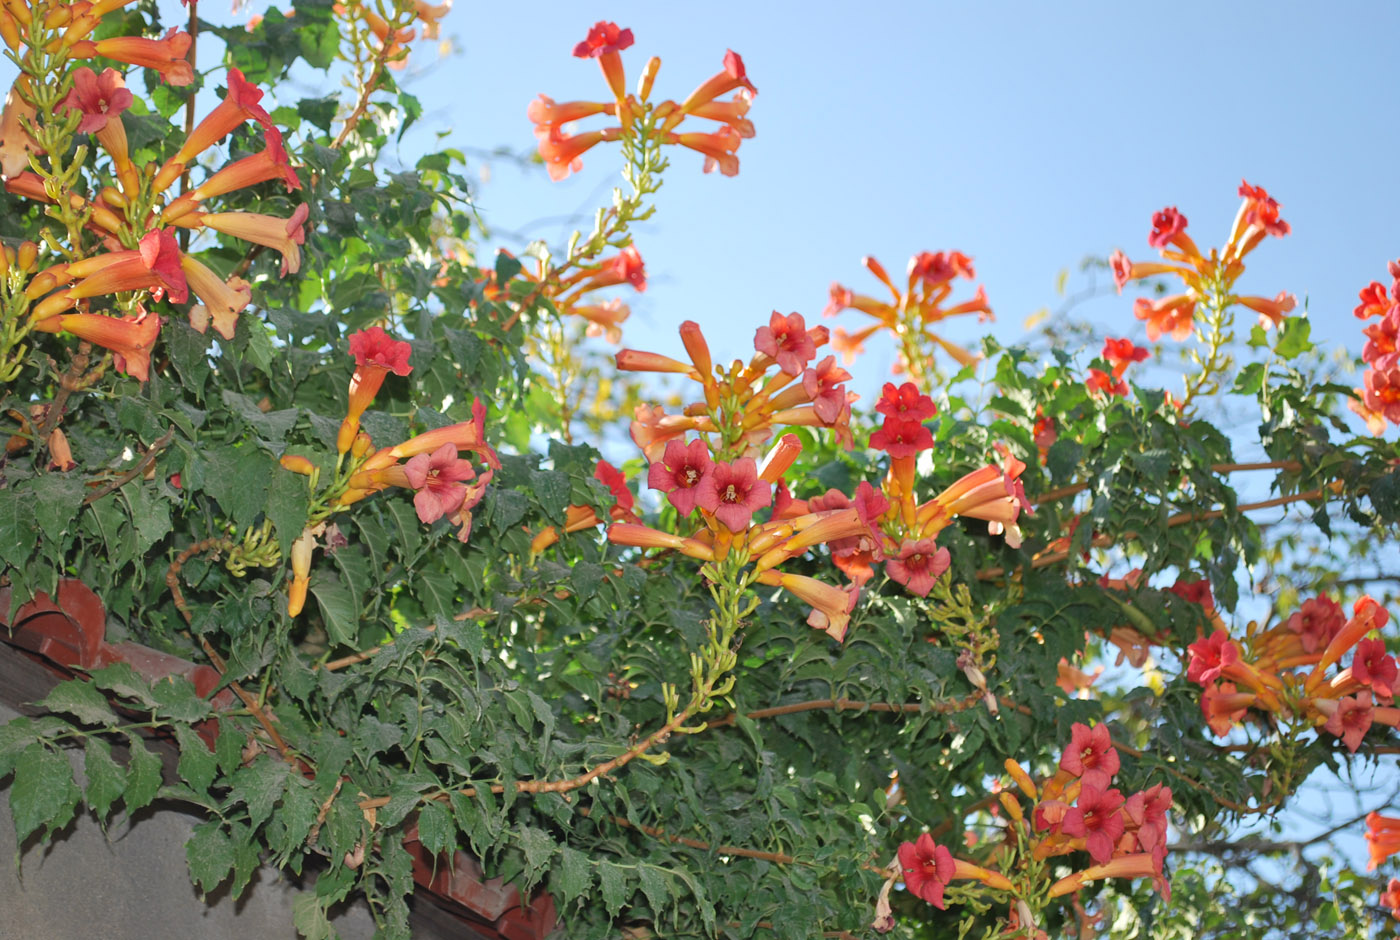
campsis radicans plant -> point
(266, 410)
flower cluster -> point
(64, 29)
(639, 116)
(1267, 671)
(1076, 811)
(1378, 399)
(393, 43)
(718, 476)
(1208, 279)
(911, 314)
(135, 225)
(1382, 841)
(1118, 354)
(444, 483)
(571, 294)
(900, 530)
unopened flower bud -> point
(1021, 778)
(113, 197)
(345, 437)
(28, 255)
(297, 465)
(361, 446)
(1011, 804)
(648, 77)
(302, 549)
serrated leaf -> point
(259, 786)
(656, 889)
(124, 682)
(436, 830)
(435, 591)
(613, 881)
(309, 917)
(228, 749)
(150, 511)
(106, 779)
(209, 855)
(18, 530)
(176, 699)
(572, 876)
(238, 478)
(552, 490)
(339, 607)
(57, 497)
(143, 775)
(1293, 337)
(79, 698)
(288, 502)
(15, 735)
(539, 848)
(269, 425)
(198, 766)
(43, 792)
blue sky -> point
(1026, 135)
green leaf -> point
(143, 775)
(507, 267)
(209, 854)
(339, 607)
(411, 109)
(177, 700)
(319, 111)
(435, 591)
(238, 478)
(168, 99)
(197, 766)
(552, 491)
(188, 351)
(309, 917)
(259, 786)
(57, 497)
(270, 425)
(1251, 379)
(18, 531)
(288, 502)
(319, 45)
(15, 735)
(43, 792)
(150, 511)
(613, 880)
(228, 749)
(656, 889)
(572, 877)
(539, 848)
(106, 779)
(82, 700)
(436, 830)
(1293, 338)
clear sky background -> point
(1026, 135)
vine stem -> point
(846, 704)
(1242, 808)
(1181, 518)
(71, 381)
(148, 458)
(1071, 489)
(172, 581)
(573, 783)
(367, 89)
